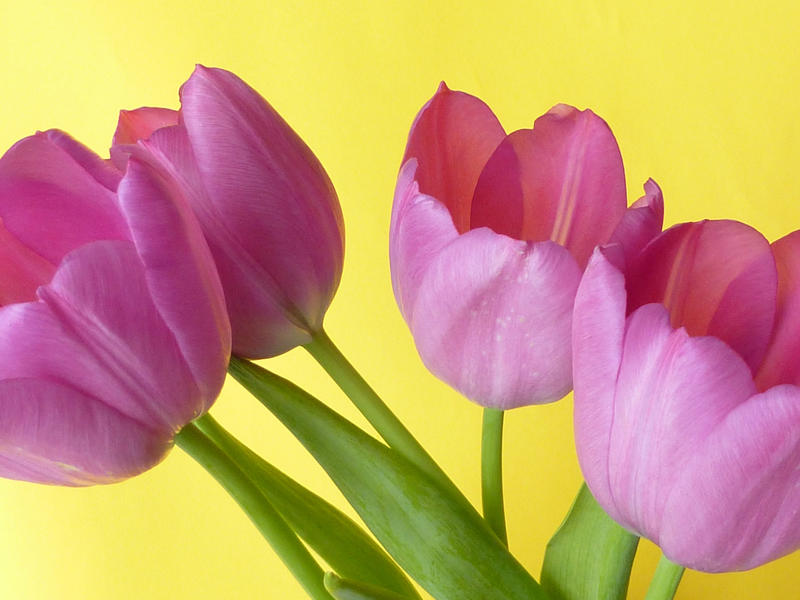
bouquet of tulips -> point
(213, 237)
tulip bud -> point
(266, 206)
(113, 332)
(490, 233)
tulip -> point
(266, 206)
(490, 233)
(113, 332)
(687, 405)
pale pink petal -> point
(716, 278)
(51, 203)
(421, 226)
(641, 222)
(598, 325)
(493, 318)
(452, 137)
(103, 172)
(53, 433)
(180, 273)
(672, 391)
(98, 330)
(735, 505)
(782, 362)
(267, 191)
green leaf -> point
(590, 556)
(347, 589)
(431, 530)
(336, 538)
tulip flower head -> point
(266, 206)
(687, 405)
(113, 332)
(490, 234)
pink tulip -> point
(266, 206)
(490, 233)
(687, 405)
(113, 332)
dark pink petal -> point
(51, 203)
(716, 278)
(53, 433)
(499, 201)
(570, 173)
(98, 330)
(421, 226)
(493, 318)
(641, 222)
(267, 198)
(180, 273)
(598, 325)
(139, 124)
(672, 391)
(782, 362)
(135, 125)
(452, 137)
(262, 322)
(735, 504)
(104, 173)
(21, 270)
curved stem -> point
(665, 580)
(492, 472)
(325, 352)
(271, 525)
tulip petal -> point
(264, 184)
(53, 433)
(104, 173)
(499, 198)
(51, 203)
(597, 332)
(180, 273)
(135, 125)
(672, 391)
(716, 278)
(139, 124)
(98, 331)
(21, 270)
(452, 137)
(571, 177)
(421, 226)
(735, 504)
(782, 362)
(493, 318)
(641, 222)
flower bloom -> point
(266, 206)
(113, 332)
(490, 233)
(687, 405)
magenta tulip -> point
(490, 233)
(113, 332)
(266, 206)
(687, 405)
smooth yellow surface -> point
(702, 96)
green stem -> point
(271, 525)
(492, 472)
(665, 580)
(322, 348)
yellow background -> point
(702, 96)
